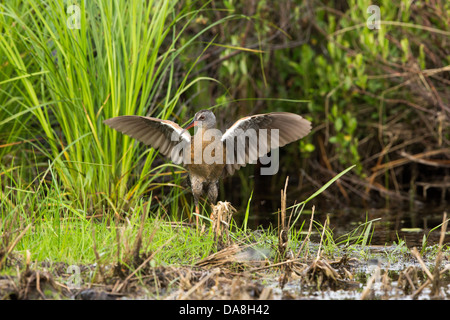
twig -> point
(273, 265)
(138, 241)
(436, 281)
(428, 162)
(16, 240)
(372, 279)
(119, 287)
(380, 169)
(419, 290)
(97, 256)
(309, 232)
(38, 285)
(13, 244)
(282, 228)
(416, 254)
(321, 237)
(328, 165)
(200, 283)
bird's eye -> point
(201, 118)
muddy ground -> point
(238, 272)
(261, 269)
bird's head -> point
(204, 118)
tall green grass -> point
(50, 226)
(120, 61)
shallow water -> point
(384, 273)
(389, 226)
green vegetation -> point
(74, 191)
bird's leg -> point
(197, 189)
(197, 211)
(213, 192)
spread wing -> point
(163, 135)
(245, 142)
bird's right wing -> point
(163, 135)
(251, 137)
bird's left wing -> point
(163, 135)
(252, 137)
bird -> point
(210, 154)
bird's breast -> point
(207, 157)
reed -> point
(118, 60)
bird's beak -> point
(193, 123)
